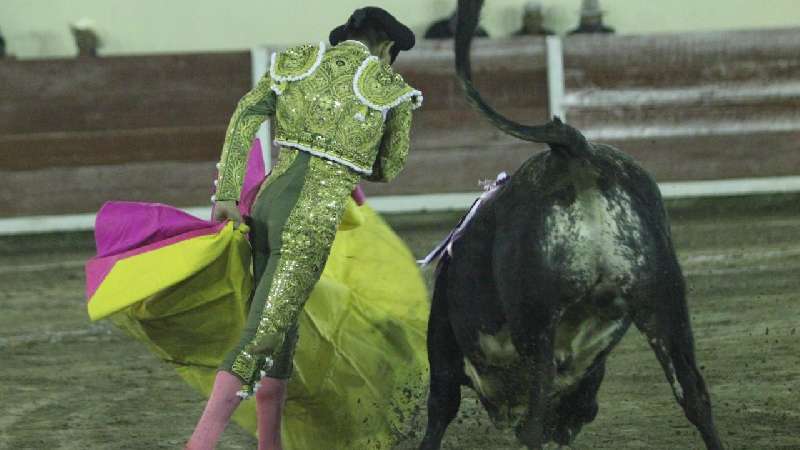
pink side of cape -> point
(126, 229)
(253, 178)
(98, 267)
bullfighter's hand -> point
(227, 210)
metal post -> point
(555, 77)
(259, 63)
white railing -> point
(432, 202)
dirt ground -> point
(69, 384)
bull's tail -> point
(563, 139)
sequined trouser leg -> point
(294, 223)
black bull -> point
(545, 281)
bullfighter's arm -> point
(250, 112)
(394, 146)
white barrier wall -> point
(39, 28)
(432, 202)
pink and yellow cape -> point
(181, 284)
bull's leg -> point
(530, 295)
(447, 371)
(664, 319)
(536, 350)
(533, 334)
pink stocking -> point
(221, 405)
(269, 407)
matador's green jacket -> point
(339, 103)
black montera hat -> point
(402, 36)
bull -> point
(546, 278)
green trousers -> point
(294, 223)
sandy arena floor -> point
(69, 384)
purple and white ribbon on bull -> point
(446, 245)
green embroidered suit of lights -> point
(340, 115)
(300, 213)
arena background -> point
(38, 28)
(705, 94)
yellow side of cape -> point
(360, 365)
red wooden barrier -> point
(75, 133)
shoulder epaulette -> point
(379, 87)
(296, 63)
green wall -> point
(39, 28)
